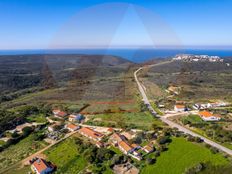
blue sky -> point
(41, 24)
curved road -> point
(171, 123)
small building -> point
(72, 127)
(148, 148)
(76, 118)
(40, 166)
(110, 130)
(130, 150)
(60, 114)
(51, 128)
(179, 108)
(94, 135)
(125, 147)
(208, 116)
(116, 138)
(55, 127)
(129, 134)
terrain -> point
(104, 90)
(198, 81)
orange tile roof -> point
(72, 126)
(205, 114)
(125, 146)
(91, 132)
(134, 145)
(180, 106)
(40, 165)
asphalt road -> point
(173, 124)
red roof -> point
(59, 112)
(62, 114)
(40, 165)
(110, 129)
(72, 126)
(91, 133)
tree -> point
(27, 131)
(104, 154)
(15, 135)
(150, 161)
(164, 140)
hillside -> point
(45, 71)
(197, 79)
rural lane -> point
(171, 123)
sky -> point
(54, 24)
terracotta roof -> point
(118, 137)
(40, 165)
(134, 145)
(205, 114)
(72, 126)
(110, 129)
(125, 146)
(208, 114)
(180, 106)
(91, 132)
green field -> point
(182, 154)
(64, 155)
(141, 120)
(193, 119)
(17, 152)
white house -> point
(40, 166)
(208, 116)
(179, 108)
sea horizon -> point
(132, 54)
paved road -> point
(173, 124)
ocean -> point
(135, 55)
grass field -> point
(182, 154)
(17, 152)
(193, 119)
(141, 120)
(37, 118)
(64, 155)
(18, 170)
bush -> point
(150, 161)
(195, 169)
(214, 150)
(164, 140)
(27, 131)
